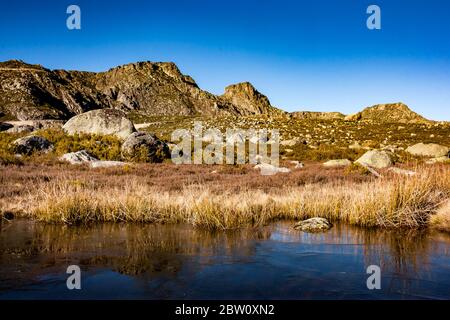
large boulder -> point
(428, 150)
(144, 146)
(313, 225)
(29, 144)
(78, 157)
(102, 121)
(337, 163)
(376, 159)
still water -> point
(129, 261)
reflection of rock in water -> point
(402, 251)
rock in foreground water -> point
(313, 225)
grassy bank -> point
(222, 197)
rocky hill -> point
(153, 89)
(392, 112)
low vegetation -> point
(101, 147)
(220, 198)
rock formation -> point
(102, 121)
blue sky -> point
(304, 55)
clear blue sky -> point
(304, 55)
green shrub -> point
(103, 147)
(7, 156)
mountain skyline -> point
(302, 55)
(31, 92)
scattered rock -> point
(139, 126)
(313, 225)
(392, 148)
(78, 157)
(402, 171)
(22, 128)
(290, 143)
(106, 164)
(355, 145)
(376, 159)
(102, 121)
(297, 164)
(428, 150)
(155, 150)
(338, 163)
(438, 160)
(5, 126)
(29, 144)
(268, 169)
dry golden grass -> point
(441, 220)
(392, 202)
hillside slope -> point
(153, 89)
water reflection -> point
(180, 255)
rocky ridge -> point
(29, 92)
